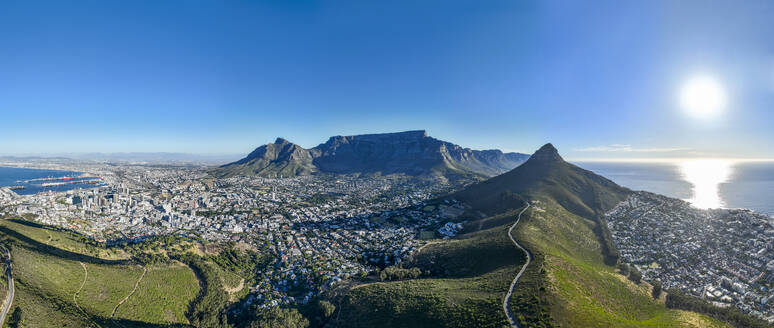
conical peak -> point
(547, 153)
(281, 141)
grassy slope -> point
(159, 301)
(61, 239)
(106, 286)
(581, 290)
(46, 285)
(3, 282)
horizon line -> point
(669, 159)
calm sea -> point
(12, 176)
(706, 183)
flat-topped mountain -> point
(411, 153)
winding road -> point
(11, 289)
(507, 300)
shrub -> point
(656, 289)
(635, 275)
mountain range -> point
(412, 153)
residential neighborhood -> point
(725, 256)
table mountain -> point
(411, 153)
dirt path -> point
(425, 245)
(236, 289)
(85, 276)
(137, 284)
(9, 298)
(75, 295)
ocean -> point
(12, 176)
(704, 183)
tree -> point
(656, 289)
(280, 318)
(16, 318)
(624, 268)
(327, 309)
(635, 275)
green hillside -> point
(581, 290)
(567, 284)
(62, 280)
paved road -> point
(507, 300)
(11, 289)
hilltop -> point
(412, 153)
(545, 174)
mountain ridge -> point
(410, 152)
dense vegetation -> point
(246, 263)
(420, 303)
(399, 273)
(208, 309)
(276, 317)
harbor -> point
(28, 181)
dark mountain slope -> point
(545, 174)
(279, 159)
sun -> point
(703, 97)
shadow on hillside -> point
(124, 323)
(30, 224)
(50, 228)
(48, 249)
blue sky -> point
(597, 79)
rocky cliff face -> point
(411, 153)
(279, 159)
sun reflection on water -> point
(705, 176)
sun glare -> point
(705, 176)
(703, 97)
